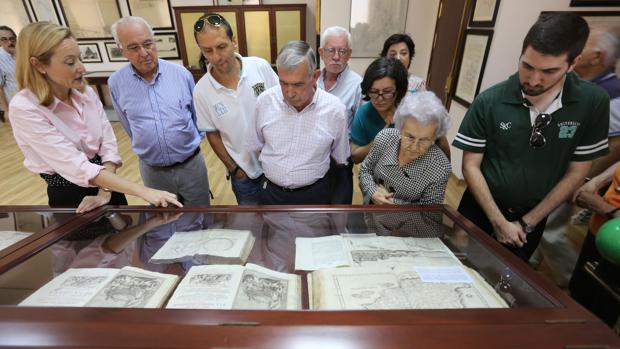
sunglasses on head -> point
(537, 139)
(213, 19)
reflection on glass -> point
(257, 34)
(288, 27)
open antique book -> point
(370, 249)
(400, 287)
(211, 246)
(128, 287)
(237, 287)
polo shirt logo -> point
(505, 125)
(259, 88)
(220, 109)
(567, 129)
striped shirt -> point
(295, 147)
(157, 115)
(7, 74)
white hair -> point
(335, 31)
(294, 54)
(129, 20)
(609, 42)
(425, 108)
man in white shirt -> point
(225, 99)
(298, 130)
(338, 79)
(8, 84)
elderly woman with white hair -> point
(405, 166)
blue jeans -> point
(246, 190)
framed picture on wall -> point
(484, 13)
(475, 50)
(114, 52)
(90, 52)
(167, 45)
(44, 10)
(90, 19)
(157, 12)
(595, 2)
(373, 21)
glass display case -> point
(534, 313)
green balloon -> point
(608, 241)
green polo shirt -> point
(498, 125)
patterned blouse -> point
(422, 181)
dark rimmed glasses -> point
(537, 139)
(213, 19)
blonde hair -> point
(38, 40)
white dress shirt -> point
(295, 147)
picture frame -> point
(157, 13)
(15, 14)
(475, 50)
(90, 20)
(484, 13)
(167, 45)
(114, 52)
(238, 2)
(369, 32)
(90, 52)
(577, 3)
(45, 10)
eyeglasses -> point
(213, 19)
(422, 142)
(537, 139)
(135, 48)
(11, 38)
(341, 51)
(383, 94)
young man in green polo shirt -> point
(528, 142)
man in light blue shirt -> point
(8, 83)
(153, 99)
(338, 79)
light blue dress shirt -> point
(157, 115)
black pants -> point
(469, 208)
(314, 194)
(341, 181)
(589, 293)
(71, 196)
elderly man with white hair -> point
(153, 100)
(338, 79)
(404, 165)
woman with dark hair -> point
(401, 47)
(384, 84)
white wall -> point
(514, 19)
(420, 24)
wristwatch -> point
(526, 227)
(233, 173)
(610, 215)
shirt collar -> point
(608, 74)
(157, 73)
(216, 84)
(339, 78)
(77, 99)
